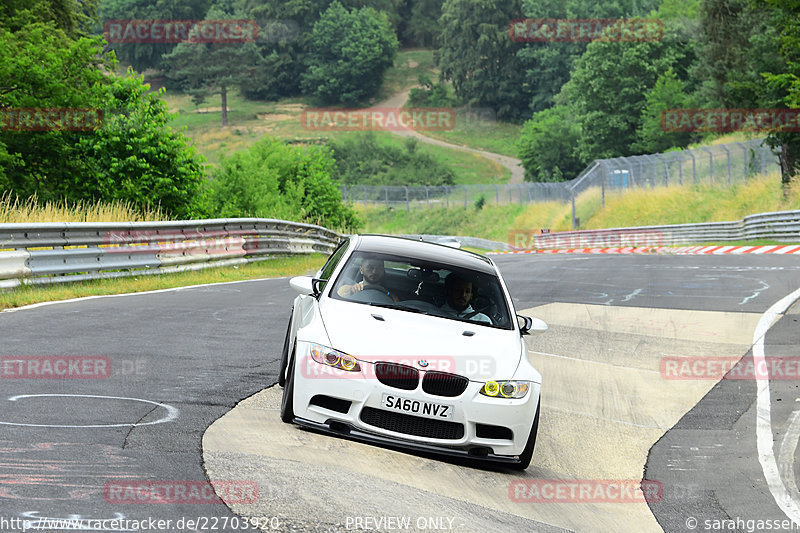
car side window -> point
(333, 260)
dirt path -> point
(512, 164)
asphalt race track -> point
(158, 377)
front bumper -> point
(348, 431)
(494, 429)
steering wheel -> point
(372, 294)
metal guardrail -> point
(781, 226)
(76, 251)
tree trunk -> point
(224, 94)
(788, 166)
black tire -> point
(285, 354)
(527, 454)
(287, 401)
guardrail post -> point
(408, 208)
(496, 194)
(386, 195)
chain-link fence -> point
(454, 195)
(722, 164)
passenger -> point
(458, 292)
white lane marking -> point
(764, 435)
(171, 289)
(606, 419)
(764, 286)
(172, 412)
(74, 522)
(596, 362)
(632, 295)
(786, 455)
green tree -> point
(607, 92)
(136, 157)
(142, 56)
(133, 156)
(74, 17)
(421, 27)
(275, 180)
(211, 68)
(548, 146)
(547, 65)
(667, 93)
(348, 53)
(285, 40)
(477, 55)
(781, 82)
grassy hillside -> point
(249, 121)
(641, 207)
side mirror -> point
(305, 285)
(528, 325)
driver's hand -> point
(357, 287)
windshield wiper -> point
(400, 307)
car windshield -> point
(421, 286)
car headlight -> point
(334, 358)
(505, 389)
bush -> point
(275, 180)
(364, 161)
(430, 95)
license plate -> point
(439, 411)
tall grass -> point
(30, 210)
(638, 207)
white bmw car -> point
(412, 344)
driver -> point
(372, 271)
(458, 292)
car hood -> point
(409, 338)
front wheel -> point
(285, 353)
(527, 454)
(287, 401)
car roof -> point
(429, 251)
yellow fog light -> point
(491, 388)
(348, 362)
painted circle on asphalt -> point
(170, 415)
